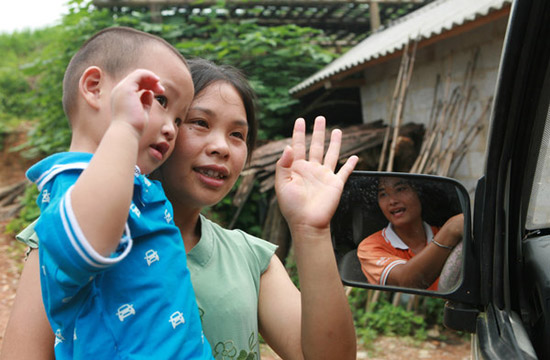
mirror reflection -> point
(401, 230)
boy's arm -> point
(309, 192)
(28, 334)
(102, 195)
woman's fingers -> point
(317, 147)
(299, 139)
(347, 168)
(333, 152)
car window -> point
(538, 214)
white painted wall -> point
(451, 54)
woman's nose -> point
(218, 145)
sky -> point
(29, 14)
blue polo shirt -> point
(138, 303)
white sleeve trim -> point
(388, 268)
(48, 175)
(79, 241)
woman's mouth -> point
(211, 173)
(212, 176)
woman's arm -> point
(280, 311)
(28, 334)
(318, 324)
(424, 268)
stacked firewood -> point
(9, 199)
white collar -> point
(395, 241)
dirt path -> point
(11, 263)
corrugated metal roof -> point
(426, 22)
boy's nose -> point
(169, 130)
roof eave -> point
(457, 30)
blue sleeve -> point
(66, 256)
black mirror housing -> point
(359, 215)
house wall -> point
(448, 55)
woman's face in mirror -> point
(398, 201)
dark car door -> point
(511, 209)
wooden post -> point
(374, 10)
(276, 230)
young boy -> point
(114, 278)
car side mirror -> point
(379, 225)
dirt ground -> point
(11, 260)
(395, 348)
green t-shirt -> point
(225, 267)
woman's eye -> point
(178, 122)
(162, 100)
(202, 123)
(238, 135)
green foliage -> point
(388, 320)
(19, 51)
(432, 309)
(28, 214)
(274, 58)
(382, 318)
(14, 95)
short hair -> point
(205, 73)
(114, 50)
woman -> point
(408, 252)
(241, 287)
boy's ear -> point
(90, 85)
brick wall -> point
(451, 54)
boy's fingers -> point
(317, 146)
(299, 139)
(151, 82)
(146, 98)
(147, 80)
(333, 152)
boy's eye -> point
(178, 122)
(162, 100)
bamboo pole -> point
(400, 105)
(404, 59)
